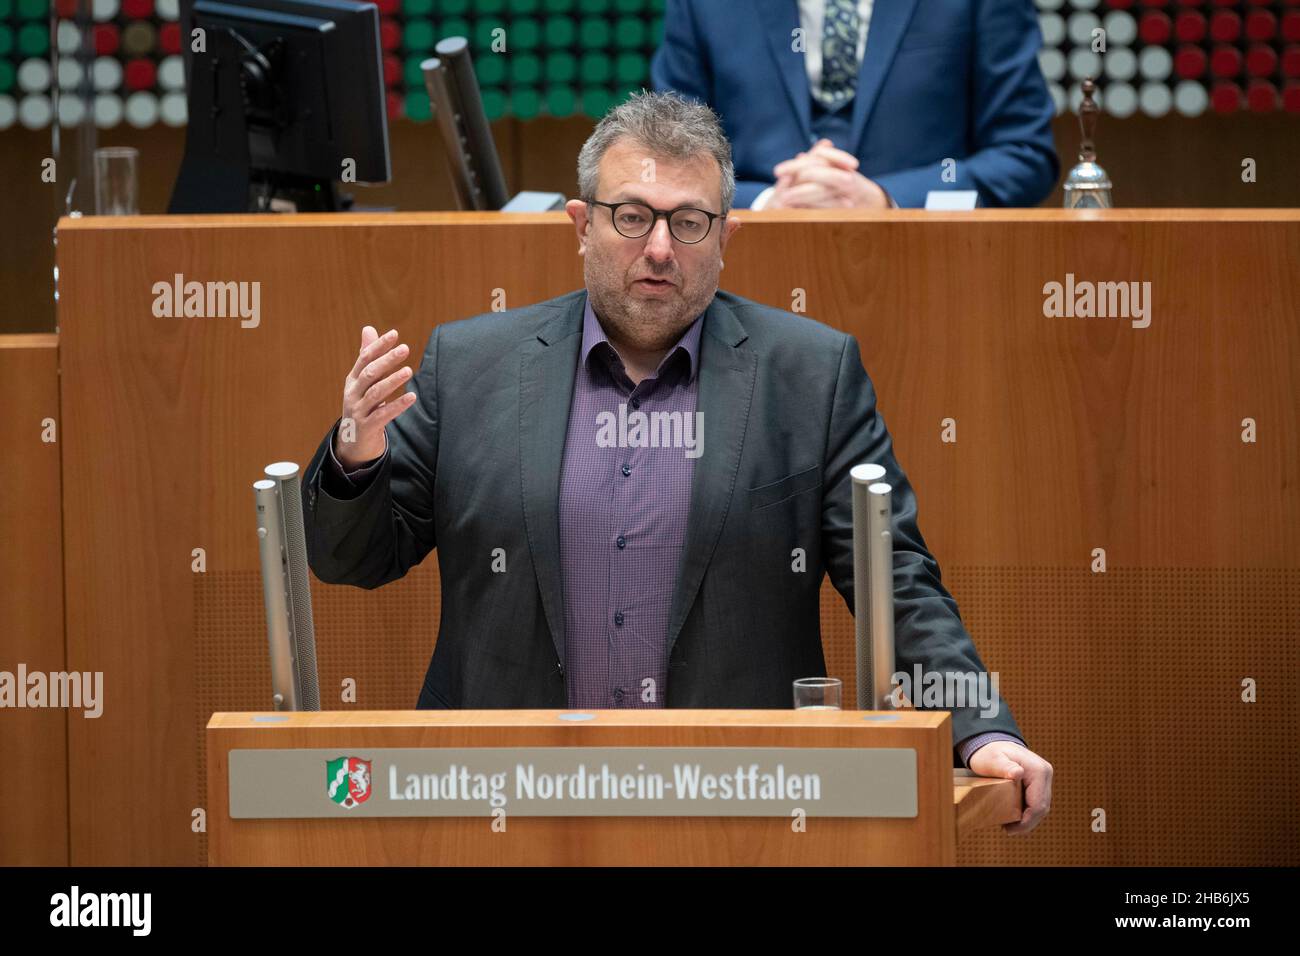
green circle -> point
(628, 6)
(525, 69)
(523, 6)
(33, 9)
(596, 101)
(418, 35)
(454, 27)
(6, 39)
(560, 101)
(593, 6)
(490, 68)
(412, 75)
(630, 33)
(561, 67)
(656, 32)
(595, 68)
(489, 6)
(594, 34)
(6, 76)
(416, 106)
(631, 68)
(33, 39)
(557, 6)
(559, 31)
(525, 103)
(482, 35)
(656, 6)
(451, 8)
(525, 34)
(6, 8)
(417, 8)
(494, 104)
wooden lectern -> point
(289, 778)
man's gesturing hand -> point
(374, 375)
(1002, 758)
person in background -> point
(858, 104)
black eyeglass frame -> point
(667, 214)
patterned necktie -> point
(839, 53)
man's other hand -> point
(1002, 758)
(824, 177)
(365, 413)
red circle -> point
(1226, 98)
(137, 9)
(1225, 26)
(169, 37)
(1262, 97)
(1291, 61)
(1190, 26)
(392, 70)
(66, 8)
(1225, 61)
(1261, 25)
(394, 102)
(1261, 60)
(390, 34)
(1154, 3)
(141, 74)
(1155, 27)
(1291, 27)
(1291, 98)
(388, 7)
(107, 39)
(1190, 62)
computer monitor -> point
(286, 98)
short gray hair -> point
(666, 124)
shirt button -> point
(618, 693)
(618, 618)
(635, 403)
(621, 542)
(627, 469)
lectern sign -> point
(574, 781)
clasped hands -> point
(824, 177)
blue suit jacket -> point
(940, 79)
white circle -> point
(69, 37)
(168, 9)
(1058, 97)
(1052, 26)
(1154, 99)
(1076, 98)
(1080, 28)
(867, 472)
(171, 72)
(1121, 100)
(174, 109)
(105, 9)
(1084, 63)
(107, 73)
(1190, 98)
(1155, 63)
(1083, 4)
(33, 76)
(72, 110)
(1121, 29)
(141, 109)
(1052, 62)
(8, 111)
(34, 112)
(1121, 64)
(1049, 4)
(70, 74)
(108, 110)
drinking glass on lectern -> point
(817, 693)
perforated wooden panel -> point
(1130, 684)
(382, 639)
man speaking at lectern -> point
(588, 560)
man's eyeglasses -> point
(634, 220)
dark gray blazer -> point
(474, 465)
